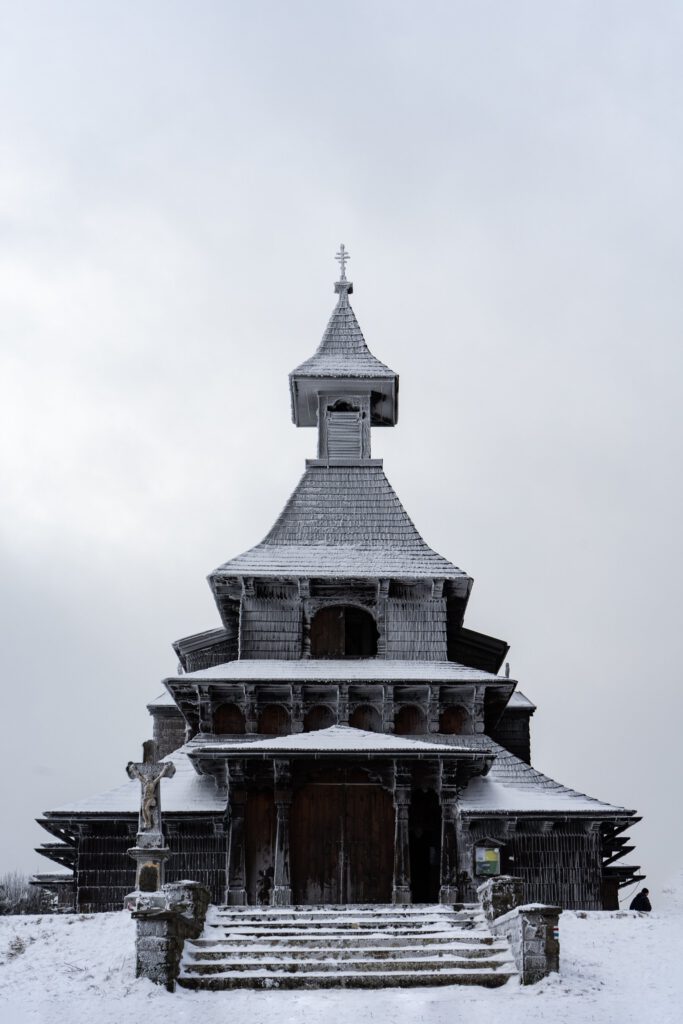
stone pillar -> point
(402, 792)
(281, 895)
(448, 891)
(236, 894)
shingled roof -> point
(343, 351)
(342, 521)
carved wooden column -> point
(236, 895)
(478, 709)
(205, 710)
(281, 895)
(448, 891)
(382, 599)
(388, 709)
(401, 887)
(306, 616)
(343, 704)
(250, 716)
(434, 708)
(297, 708)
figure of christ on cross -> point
(149, 776)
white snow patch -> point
(617, 968)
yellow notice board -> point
(487, 860)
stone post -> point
(402, 792)
(532, 930)
(164, 921)
(150, 852)
(281, 895)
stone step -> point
(345, 939)
(333, 928)
(351, 908)
(362, 946)
(325, 966)
(324, 950)
(346, 979)
(338, 921)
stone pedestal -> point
(164, 920)
(532, 930)
(149, 866)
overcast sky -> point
(175, 179)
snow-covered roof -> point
(164, 700)
(186, 791)
(343, 669)
(335, 739)
(513, 785)
(342, 521)
(343, 351)
(519, 700)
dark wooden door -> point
(260, 845)
(342, 841)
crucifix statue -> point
(149, 774)
(149, 852)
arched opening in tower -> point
(227, 719)
(274, 720)
(410, 719)
(343, 631)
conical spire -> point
(343, 355)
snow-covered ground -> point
(616, 969)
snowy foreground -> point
(616, 968)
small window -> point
(454, 720)
(343, 631)
(227, 718)
(319, 717)
(410, 719)
(366, 717)
(274, 720)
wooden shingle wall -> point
(106, 873)
(270, 628)
(512, 732)
(415, 630)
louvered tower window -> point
(344, 428)
(343, 435)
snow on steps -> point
(366, 946)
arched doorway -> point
(454, 720)
(274, 720)
(410, 719)
(366, 717)
(319, 717)
(425, 846)
(343, 631)
(227, 718)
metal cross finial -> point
(341, 257)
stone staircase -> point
(362, 946)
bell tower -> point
(343, 389)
